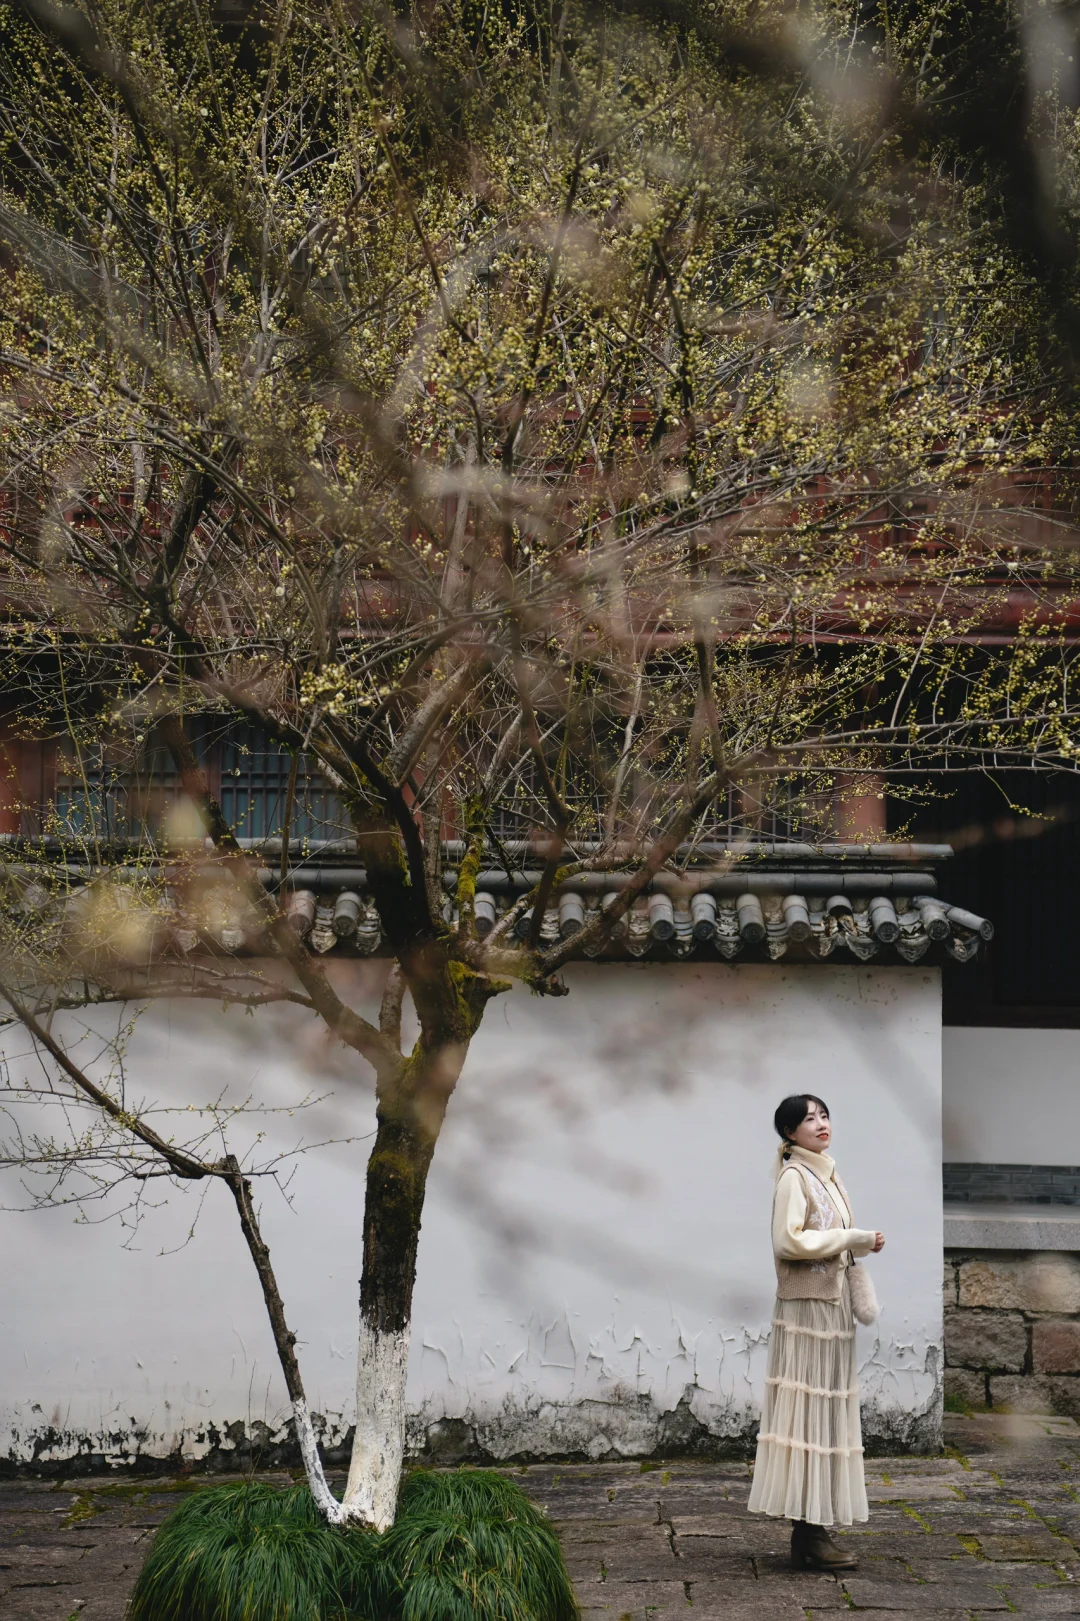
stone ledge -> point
(961, 1429)
(992, 1226)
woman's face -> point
(815, 1132)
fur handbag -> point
(864, 1300)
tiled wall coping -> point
(969, 1183)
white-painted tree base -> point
(325, 1501)
(379, 1442)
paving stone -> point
(692, 1543)
(584, 1568)
(989, 1496)
(782, 1597)
(897, 1468)
(895, 1516)
(914, 1544)
(1026, 1581)
(918, 1490)
(750, 1533)
(40, 1557)
(105, 1603)
(924, 1615)
(647, 1488)
(763, 1607)
(881, 1567)
(24, 1498)
(709, 1525)
(704, 1474)
(1055, 1601)
(611, 1535)
(1065, 1520)
(25, 1529)
(921, 1596)
(966, 1568)
(729, 1499)
(700, 1562)
(627, 1564)
(917, 1561)
(966, 1519)
(610, 1612)
(47, 1604)
(559, 1508)
(635, 1596)
(803, 1587)
(1034, 1542)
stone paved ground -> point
(993, 1528)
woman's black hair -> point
(793, 1111)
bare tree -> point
(538, 426)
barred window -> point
(254, 790)
(107, 791)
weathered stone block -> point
(1037, 1393)
(962, 1387)
(1039, 1281)
(1022, 1393)
(1066, 1394)
(995, 1340)
(1055, 1346)
(950, 1283)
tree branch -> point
(348, 1026)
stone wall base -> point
(585, 1432)
(1012, 1331)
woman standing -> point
(809, 1465)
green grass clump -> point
(467, 1546)
(470, 1546)
(251, 1552)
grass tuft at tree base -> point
(470, 1547)
(252, 1552)
(467, 1546)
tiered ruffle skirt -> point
(809, 1463)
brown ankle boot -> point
(812, 1548)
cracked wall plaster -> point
(595, 1276)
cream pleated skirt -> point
(809, 1463)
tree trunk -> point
(450, 1000)
(408, 1126)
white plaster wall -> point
(1011, 1097)
(595, 1272)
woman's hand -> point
(879, 1243)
